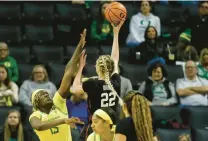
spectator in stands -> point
(126, 85)
(13, 129)
(184, 137)
(151, 47)
(137, 124)
(103, 125)
(203, 66)
(198, 26)
(157, 89)
(192, 89)
(101, 29)
(8, 89)
(39, 80)
(77, 107)
(9, 62)
(140, 22)
(186, 52)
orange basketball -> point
(115, 12)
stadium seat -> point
(69, 51)
(170, 15)
(169, 33)
(56, 73)
(92, 54)
(10, 11)
(25, 71)
(70, 12)
(10, 34)
(38, 11)
(94, 9)
(171, 134)
(124, 54)
(106, 50)
(174, 72)
(165, 113)
(191, 10)
(89, 70)
(48, 54)
(38, 33)
(63, 34)
(136, 73)
(131, 8)
(4, 112)
(20, 53)
(196, 116)
(200, 135)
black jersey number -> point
(108, 99)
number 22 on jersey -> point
(108, 99)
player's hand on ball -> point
(116, 28)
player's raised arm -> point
(77, 84)
(71, 67)
(115, 47)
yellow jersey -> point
(58, 111)
(96, 137)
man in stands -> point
(198, 25)
(192, 89)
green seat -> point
(70, 12)
(38, 33)
(10, 11)
(11, 34)
(38, 11)
(48, 54)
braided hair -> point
(106, 67)
(138, 108)
(36, 100)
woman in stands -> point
(103, 125)
(203, 66)
(151, 47)
(104, 90)
(137, 124)
(140, 22)
(8, 89)
(13, 129)
(39, 80)
(101, 30)
(50, 117)
(157, 89)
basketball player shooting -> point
(103, 91)
(50, 117)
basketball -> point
(115, 12)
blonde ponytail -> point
(108, 82)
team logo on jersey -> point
(54, 130)
(7, 64)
